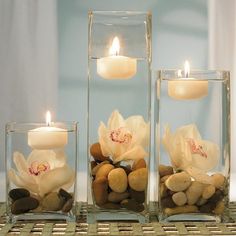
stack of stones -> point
(179, 193)
(22, 201)
(118, 186)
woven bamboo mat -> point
(116, 228)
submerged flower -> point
(44, 171)
(124, 139)
(189, 152)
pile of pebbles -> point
(116, 186)
(179, 193)
(22, 201)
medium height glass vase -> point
(41, 162)
(193, 145)
(119, 115)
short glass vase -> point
(41, 162)
(193, 145)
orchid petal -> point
(133, 154)
(199, 175)
(20, 182)
(54, 179)
(103, 140)
(116, 120)
(20, 162)
(139, 129)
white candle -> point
(116, 66)
(47, 137)
(187, 88)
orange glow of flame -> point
(115, 47)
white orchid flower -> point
(189, 152)
(44, 171)
(124, 140)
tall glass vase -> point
(193, 145)
(119, 115)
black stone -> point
(167, 202)
(132, 205)
(138, 196)
(207, 208)
(111, 205)
(18, 193)
(67, 206)
(217, 196)
(64, 194)
(24, 205)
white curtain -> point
(222, 52)
(28, 61)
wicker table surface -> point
(116, 228)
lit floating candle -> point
(47, 137)
(115, 66)
(187, 88)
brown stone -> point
(138, 196)
(132, 205)
(97, 167)
(117, 197)
(67, 206)
(24, 205)
(167, 202)
(96, 152)
(111, 205)
(104, 170)
(165, 170)
(100, 187)
(138, 179)
(140, 163)
(18, 193)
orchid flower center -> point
(37, 168)
(121, 135)
(196, 148)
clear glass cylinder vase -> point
(193, 145)
(119, 115)
(41, 161)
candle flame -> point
(115, 47)
(48, 118)
(186, 69)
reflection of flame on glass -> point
(48, 118)
(115, 47)
(186, 69)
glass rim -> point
(14, 126)
(120, 12)
(194, 75)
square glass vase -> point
(193, 145)
(119, 86)
(41, 162)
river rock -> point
(220, 206)
(64, 194)
(18, 193)
(117, 197)
(218, 180)
(138, 179)
(24, 205)
(167, 202)
(165, 170)
(67, 206)
(208, 191)
(181, 209)
(138, 196)
(163, 190)
(117, 180)
(104, 170)
(52, 202)
(100, 187)
(93, 164)
(179, 198)
(207, 208)
(96, 152)
(140, 163)
(178, 182)
(96, 168)
(164, 178)
(132, 205)
(111, 205)
(201, 201)
(194, 192)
